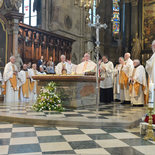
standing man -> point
(10, 77)
(86, 66)
(1, 79)
(106, 86)
(40, 62)
(126, 75)
(33, 85)
(150, 68)
(63, 65)
(24, 80)
(138, 84)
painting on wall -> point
(148, 23)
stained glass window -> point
(30, 16)
(116, 17)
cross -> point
(97, 26)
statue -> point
(19, 62)
(13, 4)
(136, 48)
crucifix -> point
(97, 26)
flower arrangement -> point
(48, 99)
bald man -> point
(10, 77)
(127, 73)
(86, 66)
(150, 68)
(138, 84)
(33, 84)
(63, 65)
(24, 81)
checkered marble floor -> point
(21, 139)
(106, 111)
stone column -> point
(127, 25)
(134, 18)
(14, 19)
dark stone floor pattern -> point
(36, 140)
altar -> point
(76, 91)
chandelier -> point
(87, 5)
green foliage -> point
(48, 99)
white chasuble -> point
(24, 86)
(127, 69)
(138, 88)
(61, 65)
(107, 74)
(11, 83)
(33, 84)
(85, 66)
(150, 68)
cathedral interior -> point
(30, 29)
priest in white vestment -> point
(138, 84)
(106, 86)
(126, 75)
(10, 78)
(150, 68)
(1, 79)
(118, 93)
(63, 65)
(33, 84)
(24, 81)
(86, 66)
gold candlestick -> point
(149, 131)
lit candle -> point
(151, 95)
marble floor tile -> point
(72, 138)
(111, 143)
(101, 136)
(99, 151)
(84, 145)
(47, 139)
(61, 146)
(4, 149)
(23, 129)
(67, 152)
(23, 134)
(48, 133)
(26, 140)
(5, 141)
(125, 135)
(136, 142)
(43, 128)
(26, 148)
(123, 151)
(36, 153)
(5, 135)
(71, 132)
(5, 130)
(113, 130)
(2, 126)
(93, 131)
(147, 149)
